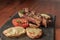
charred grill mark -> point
(32, 23)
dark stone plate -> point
(48, 33)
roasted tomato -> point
(20, 22)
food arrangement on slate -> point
(29, 25)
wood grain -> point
(57, 34)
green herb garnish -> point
(18, 21)
(22, 11)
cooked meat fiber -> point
(46, 16)
(44, 22)
(33, 20)
(26, 10)
(36, 18)
(33, 25)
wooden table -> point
(51, 7)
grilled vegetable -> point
(20, 22)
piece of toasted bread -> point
(14, 31)
(34, 32)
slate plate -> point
(49, 33)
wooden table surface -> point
(50, 7)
